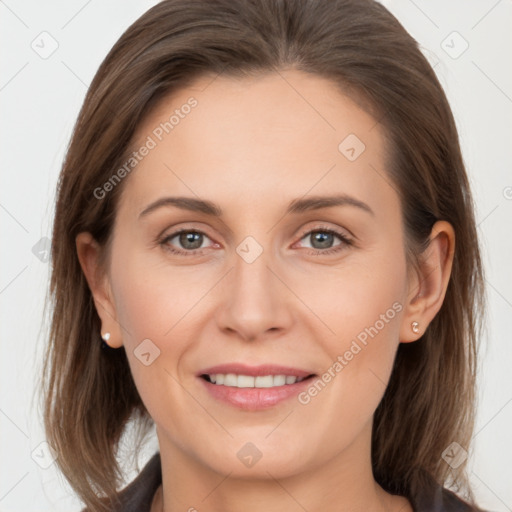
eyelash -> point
(345, 241)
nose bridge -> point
(256, 299)
(251, 273)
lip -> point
(254, 399)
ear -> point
(427, 287)
(89, 252)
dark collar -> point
(138, 495)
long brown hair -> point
(89, 394)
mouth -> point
(233, 380)
(254, 388)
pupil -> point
(324, 239)
(194, 239)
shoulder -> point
(138, 495)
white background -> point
(40, 99)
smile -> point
(253, 388)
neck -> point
(344, 483)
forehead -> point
(253, 139)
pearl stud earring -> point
(415, 326)
(105, 337)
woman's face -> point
(291, 265)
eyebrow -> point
(296, 206)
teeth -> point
(279, 380)
(248, 381)
(245, 381)
(264, 382)
(231, 380)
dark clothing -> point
(138, 495)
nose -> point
(257, 301)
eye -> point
(323, 240)
(190, 242)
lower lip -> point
(253, 399)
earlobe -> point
(428, 289)
(88, 252)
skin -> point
(252, 145)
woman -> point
(313, 348)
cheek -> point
(154, 307)
(156, 314)
(360, 300)
(153, 300)
(362, 308)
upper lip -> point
(260, 370)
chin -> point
(259, 459)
